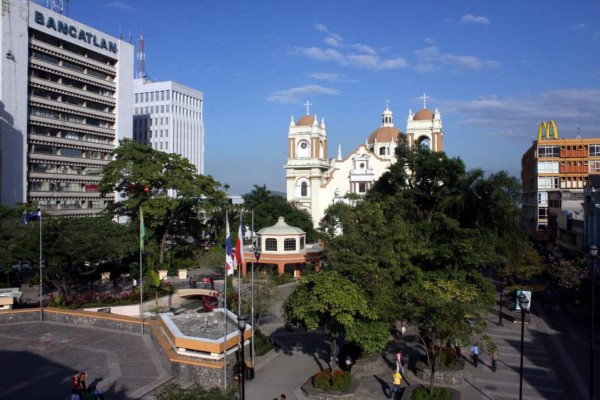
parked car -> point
(21, 266)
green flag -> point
(142, 230)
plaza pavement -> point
(37, 360)
(548, 367)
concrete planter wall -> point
(162, 274)
(133, 310)
(443, 377)
(316, 394)
(182, 273)
(408, 392)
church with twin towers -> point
(314, 181)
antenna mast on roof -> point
(59, 6)
(140, 56)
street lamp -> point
(256, 250)
(594, 254)
(524, 305)
(242, 327)
(501, 294)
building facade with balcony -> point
(553, 164)
(314, 182)
(168, 117)
(66, 101)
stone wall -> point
(14, 316)
(443, 377)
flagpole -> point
(142, 235)
(225, 306)
(252, 292)
(41, 273)
(239, 263)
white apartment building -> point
(168, 117)
(66, 96)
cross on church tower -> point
(387, 104)
(308, 104)
(424, 97)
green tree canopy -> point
(167, 186)
(269, 207)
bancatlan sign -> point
(74, 32)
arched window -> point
(382, 151)
(304, 189)
(289, 245)
(271, 244)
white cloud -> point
(472, 19)
(331, 77)
(519, 117)
(363, 48)
(119, 5)
(588, 29)
(429, 41)
(323, 28)
(357, 55)
(431, 58)
(299, 93)
(366, 61)
(331, 41)
(320, 54)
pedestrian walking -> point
(493, 361)
(475, 354)
(399, 367)
(396, 384)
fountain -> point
(202, 334)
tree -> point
(269, 207)
(445, 308)
(167, 186)
(330, 302)
(77, 247)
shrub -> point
(341, 380)
(422, 393)
(263, 344)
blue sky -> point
(494, 69)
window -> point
(594, 150)
(542, 213)
(549, 151)
(382, 151)
(70, 152)
(362, 187)
(304, 189)
(271, 244)
(301, 243)
(137, 97)
(543, 198)
(289, 244)
(548, 167)
(548, 182)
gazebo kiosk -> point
(284, 247)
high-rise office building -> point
(66, 98)
(168, 117)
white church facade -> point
(314, 182)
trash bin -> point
(249, 370)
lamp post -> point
(256, 250)
(242, 328)
(500, 323)
(594, 254)
(524, 305)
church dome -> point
(424, 115)
(386, 134)
(281, 228)
(307, 120)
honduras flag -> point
(34, 216)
